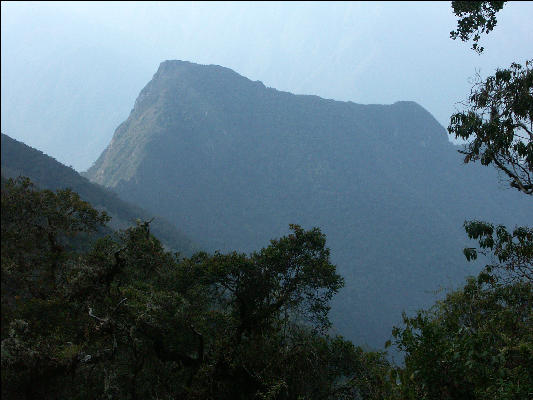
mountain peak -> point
(233, 163)
(178, 69)
(173, 65)
(190, 100)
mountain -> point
(232, 163)
(44, 171)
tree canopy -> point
(475, 344)
(498, 124)
(120, 317)
(475, 18)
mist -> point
(71, 71)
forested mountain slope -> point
(47, 173)
(232, 163)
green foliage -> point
(499, 124)
(292, 276)
(475, 18)
(39, 228)
(511, 253)
(475, 344)
(478, 342)
(41, 332)
(123, 318)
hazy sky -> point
(71, 71)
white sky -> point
(71, 71)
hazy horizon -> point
(71, 71)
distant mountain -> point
(20, 159)
(232, 163)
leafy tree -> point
(120, 317)
(42, 334)
(510, 253)
(477, 343)
(499, 124)
(271, 308)
(475, 18)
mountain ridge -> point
(233, 163)
(19, 159)
(160, 83)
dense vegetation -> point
(123, 318)
(118, 316)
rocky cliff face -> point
(232, 163)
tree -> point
(120, 317)
(477, 343)
(475, 18)
(510, 253)
(42, 334)
(499, 124)
(271, 313)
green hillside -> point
(47, 173)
